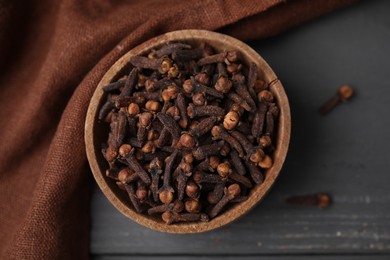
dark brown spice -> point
(174, 112)
(193, 86)
(169, 93)
(155, 169)
(192, 189)
(252, 77)
(186, 140)
(213, 163)
(124, 101)
(266, 162)
(181, 183)
(230, 193)
(223, 83)
(163, 138)
(114, 86)
(236, 162)
(255, 172)
(131, 192)
(133, 109)
(245, 143)
(155, 96)
(178, 206)
(204, 165)
(269, 129)
(233, 68)
(231, 120)
(203, 127)
(321, 200)
(144, 62)
(170, 217)
(201, 152)
(265, 141)
(240, 179)
(216, 58)
(141, 193)
(239, 100)
(259, 120)
(106, 108)
(191, 130)
(239, 198)
(187, 54)
(149, 147)
(130, 83)
(242, 90)
(112, 173)
(224, 170)
(266, 96)
(165, 193)
(181, 104)
(198, 111)
(160, 208)
(171, 125)
(200, 177)
(216, 194)
(170, 48)
(219, 133)
(344, 93)
(192, 205)
(199, 99)
(126, 175)
(134, 164)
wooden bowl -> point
(96, 133)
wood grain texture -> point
(307, 257)
(346, 153)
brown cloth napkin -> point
(52, 55)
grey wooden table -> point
(346, 153)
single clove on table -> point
(321, 200)
(343, 95)
(191, 131)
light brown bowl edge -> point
(216, 40)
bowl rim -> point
(257, 193)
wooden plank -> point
(345, 153)
(298, 257)
(350, 225)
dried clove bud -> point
(224, 169)
(321, 200)
(169, 93)
(192, 205)
(198, 111)
(192, 189)
(160, 208)
(189, 128)
(187, 140)
(231, 120)
(152, 105)
(166, 191)
(133, 109)
(266, 162)
(265, 141)
(230, 193)
(265, 96)
(219, 133)
(170, 217)
(344, 93)
(199, 99)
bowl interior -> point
(96, 133)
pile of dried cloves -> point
(191, 131)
